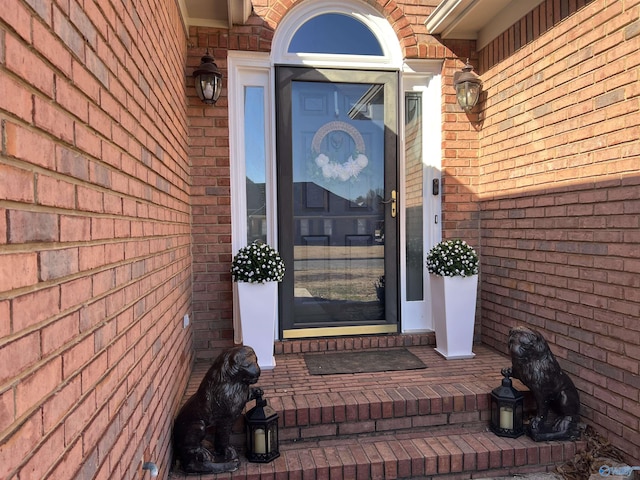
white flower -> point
(322, 160)
(343, 171)
(343, 174)
(452, 258)
(329, 171)
(362, 161)
(257, 263)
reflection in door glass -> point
(414, 196)
(255, 163)
(338, 185)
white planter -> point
(453, 306)
(258, 313)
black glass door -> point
(337, 220)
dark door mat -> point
(364, 361)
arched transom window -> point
(332, 33)
(335, 33)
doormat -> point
(362, 361)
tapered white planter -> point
(258, 313)
(453, 306)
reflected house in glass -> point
(256, 211)
(324, 218)
(321, 216)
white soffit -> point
(215, 13)
(480, 20)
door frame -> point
(285, 75)
(422, 76)
(257, 68)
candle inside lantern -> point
(208, 90)
(259, 441)
(506, 418)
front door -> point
(337, 191)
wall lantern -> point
(468, 87)
(262, 431)
(507, 405)
(208, 80)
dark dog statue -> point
(216, 405)
(535, 366)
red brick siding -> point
(460, 213)
(559, 189)
(538, 21)
(95, 261)
(211, 196)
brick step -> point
(428, 423)
(388, 409)
(457, 455)
(446, 393)
(284, 347)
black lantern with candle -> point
(262, 431)
(507, 406)
(208, 80)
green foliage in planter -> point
(257, 263)
(451, 258)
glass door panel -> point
(414, 199)
(337, 163)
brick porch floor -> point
(430, 423)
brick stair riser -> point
(445, 457)
(353, 343)
(395, 425)
(358, 419)
(431, 423)
(351, 409)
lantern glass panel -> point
(467, 94)
(208, 87)
(272, 438)
(495, 412)
(519, 416)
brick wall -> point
(537, 22)
(95, 267)
(211, 189)
(559, 190)
(460, 211)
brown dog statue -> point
(535, 366)
(216, 405)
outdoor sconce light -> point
(468, 87)
(208, 80)
(262, 431)
(507, 405)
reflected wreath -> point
(354, 164)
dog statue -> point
(216, 405)
(536, 367)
